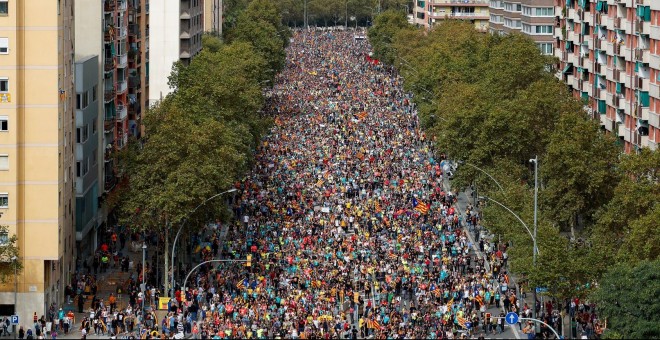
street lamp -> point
(143, 288)
(483, 171)
(176, 238)
(535, 160)
(13, 260)
(203, 263)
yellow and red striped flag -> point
(422, 207)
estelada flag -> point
(462, 321)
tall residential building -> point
(176, 29)
(88, 143)
(427, 13)
(138, 64)
(609, 55)
(535, 18)
(37, 149)
(213, 16)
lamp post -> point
(535, 251)
(13, 260)
(203, 263)
(176, 238)
(535, 160)
(143, 288)
(483, 171)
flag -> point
(480, 300)
(362, 115)
(422, 208)
(240, 285)
(377, 207)
(319, 183)
(450, 303)
(373, 324)
(462, 322)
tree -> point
(10, 263)
(625, 229)
(381, 35)
(627, 297)
(577, 148)
(264, 39)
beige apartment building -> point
(534, 18)
(37, 149)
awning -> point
(585, 95)
(569, 67)
(599, 6)
(602, 106)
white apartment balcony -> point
(572, 14)
(654, 91)
(627, 54)
(570, 35)
(557, 33)
(589, 89)
(587, 65)
(609, 48)
(644, 84)
(576, 82)
(643, 55)
(655, 32)
(558, 53)
(643, 113)
(569, 79)
(589, 41)
(601, 94)
(622, 131)
(654, 61)
(559, 10)
(653, 146)
(122, 60)
(609, 124)
(641, 141)
(481, 3)
(588, 18)
(654, 119)
(610, 74)
(603, 120)
(655, 5)
(122, 86)
(122, 112)
(571, 58)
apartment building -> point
(37, 149)
(88, 142)
(535, 18)
(213, 16)
(609, 55)
(176, 35)
(427, 13)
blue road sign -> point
(511, 318)
(541, 290)
(14, 319)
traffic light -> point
(249, 261)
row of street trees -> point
(201, 138)
(493, 102)
(322, 12)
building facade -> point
(427, 12)
(176, 35)
(88, 141)
(37, 149)
(535, 18)
(609, 54)
(213, 16)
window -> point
(527, 28)
(545, 29)
(546, 48)
(4, 162)
(4, 84)
(78, 101)
(4, 238)
(545, 12)
(94, 94)
(4, 200)
(4, 123)
(94, 158)
(94, 126)
(78, 169)
(4, 45)
(4, 7)
(85, 133)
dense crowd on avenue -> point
(349, 221)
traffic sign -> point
(541, 289)
(511, 318)
(14, 319)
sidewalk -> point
(461, 203)
(107, 284)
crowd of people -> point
(351, 228)
(347, 217)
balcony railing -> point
(133, 82)
(122, 60)
(108, 95)
(122, 86)
(122, 112)
(109, 6)
(109, 64)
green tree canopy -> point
(627, 297)
(381, 35)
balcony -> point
(460, 2)
(655, 32)
(185, 14)
(110, 181)
(122, 112)
(134, 31)
(609, 125)
(108, 64)
(134, 82)
(146, 8)
(122, 60)
(123, 32)
(108, 95)
(109, 6)
(654, 90)
(184, 34)
(654, 119)
(122, 86)
(123, 5)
